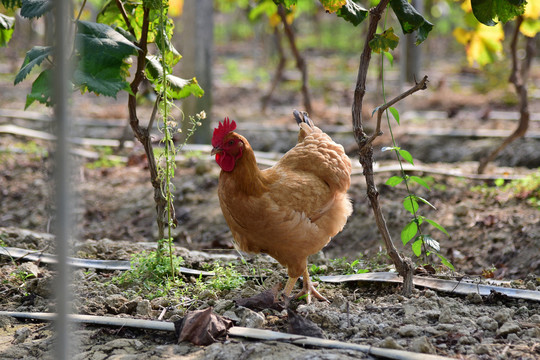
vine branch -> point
(122, 9)
(404, 266)
(518, 78)
(422, 85)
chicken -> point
(290, 210)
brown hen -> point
(290, 210)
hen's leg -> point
(289, 286)
(309, 289)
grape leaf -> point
(409, 232)
(411, 20)
(333, 5)
(41, 90)
(483, 44)
(486, 11)
(35, 8)
(34, 57)
(352, 12)
(384, 42)
(6, 29)
(104, 74)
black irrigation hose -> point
(236, 331)
(452, 286)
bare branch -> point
(300, 62)
(154, 113)
(422, 85)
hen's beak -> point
(215, 151)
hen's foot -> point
(309, 290)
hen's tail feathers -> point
(302, 118)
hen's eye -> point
(231, 142)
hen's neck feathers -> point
(246, 175)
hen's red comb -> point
(222, 130)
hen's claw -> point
(307, 289)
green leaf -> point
(6, 29)
(409, 232)
(105, 74)
(390, 58)
(172, 56)
(425, 202)
(41, 90)
(436, 225)
(411, 20)
(486, 11)
(11, 4)
(352, 12)
(446, 262)
(410, 204)
(420, 181)
(406, 156)
(34, 57)
(182, 88)
(384, 42)
(35, 8)
(394, 181)
(417, 246)
(394, 111)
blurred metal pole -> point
(60, 79)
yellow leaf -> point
(485, 44)
(532, 9)
(466, 6)
(333, 5)
(462, 36)
(176, 7)
(530, 27)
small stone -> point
(535, 318)
(21, 335)
(508, 328)
(422, 345)
(461, 210)
(144, 308)
(5, 321)
(487, 323)
(467, 340)
(390, 343)
(512, 337)
(410, 331)
(502, 316)
(223, 305)
(446, 316)
(115, 302)
(475, 298)
(481, 350)
(430, 294)
(28, 269)
(249, 318)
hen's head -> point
(228, 146)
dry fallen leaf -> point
(202, 327)
(265, 300)
(301, 326)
